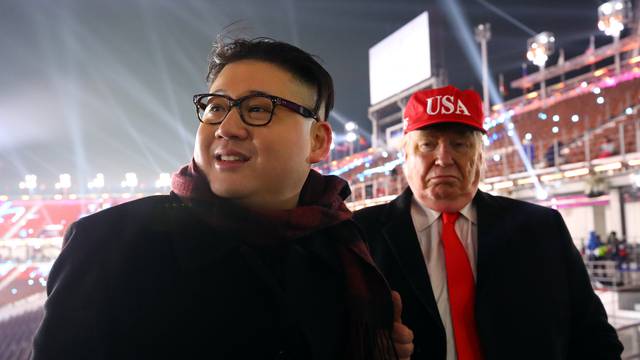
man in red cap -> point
(481, 276)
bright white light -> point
(510, 126)
(97, 182)
(64, 182)
(30, 182)
(555, 129)
(613, 15)
(510, 133)
(350, 126)
(556, 118)
(600, 100)
(628, 111)
(575, 118)
(385, 154)
(351, 136)
(584, 84)
(542, 116)
(596, 90)
(485, 140)
(541, 194)
(540, 47)
(130, 180)
(528, 136)
(163, 181)
(496, 157)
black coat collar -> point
(401, 237)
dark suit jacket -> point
(533, 295)
(149, 280)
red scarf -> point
(320, 206)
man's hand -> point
(402, 336)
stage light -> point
(351, 137)
(496, 157)
(163, 181)
(528, 136)
(628, 111)
(612, 16)
(542, 116)
(555, 129)
(97, 182)
(596, 90)
(539, 48)
(600, 100)
(556, 118)
(575, 118)
(350, 126)
(30, 182)
(130, 180)
(64, 182)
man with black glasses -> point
(252, 256)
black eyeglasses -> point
(255, 109)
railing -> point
(623, 280)
(629, 335)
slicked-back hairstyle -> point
(302, 65)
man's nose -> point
(232, 127)
(443, 154)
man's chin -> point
(445, 200)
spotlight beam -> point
(508, 17)
(464, 34)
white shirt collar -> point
(425, 216)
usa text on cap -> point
(443, 105)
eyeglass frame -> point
(276, 100)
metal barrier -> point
(629, 335)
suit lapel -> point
(491, 241)
(402, 239)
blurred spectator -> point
(607, 148)
(552, 156)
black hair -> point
(302, 65)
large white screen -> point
(401, 60)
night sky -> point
(106, 86)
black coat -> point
(149, 280)
(533, 295)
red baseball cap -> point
(443, 105)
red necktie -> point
(462, 291)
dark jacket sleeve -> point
(592, 337)
(71, 328)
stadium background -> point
(95, 110)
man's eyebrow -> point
(250, 92)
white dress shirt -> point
(428, 226)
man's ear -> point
(321, 137)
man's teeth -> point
(230, 158)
